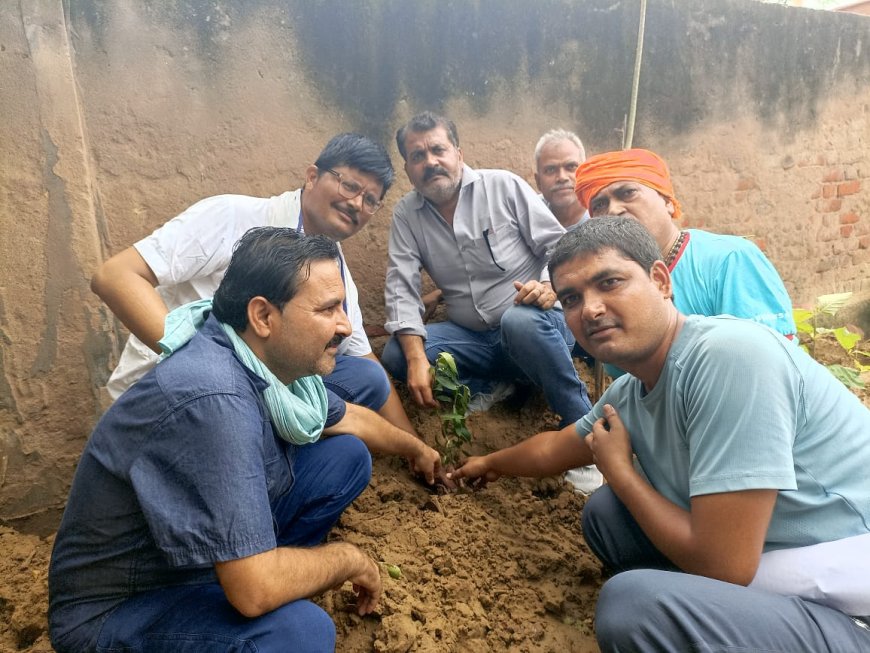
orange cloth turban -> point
(643, 166)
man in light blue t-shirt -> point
(724, 447)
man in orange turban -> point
(644, 166)
(712, 274)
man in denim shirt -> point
(484, 237)
(200, 503)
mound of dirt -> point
(504, 568)
(23, 591)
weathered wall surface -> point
(117, 115)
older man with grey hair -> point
(558, 154)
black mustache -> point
(336, 340)
(351, 211)
(591, 327)
(434, 170)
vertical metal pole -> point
(638, 56)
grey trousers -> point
(651, 606)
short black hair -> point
(270, 262)
(625, 235)
(424, 122)
(359, 152)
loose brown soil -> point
(502, 569)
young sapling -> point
(453, 397)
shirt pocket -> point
(278, 464)
(493, 248)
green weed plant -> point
(810, 332)
(453, 397)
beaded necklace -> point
(675, 248)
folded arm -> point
(721, 536)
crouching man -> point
(737, 511)
(199, 507)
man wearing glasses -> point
(484, 237)
(185, 260)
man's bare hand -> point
(476, 470)
(426, 462)
(420, 384)
(610, 443)
(535, 293)
(367, 585)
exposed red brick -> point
(849, 218)
(762, 244)
(829, 206)
(829, 190)
(848, 188)
(834, 174)
(846, 230)
(864, 242)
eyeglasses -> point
(349, 190)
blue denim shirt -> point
(181, 472)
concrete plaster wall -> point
(117, 115)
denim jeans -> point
(359, 380)
(530, 345)
(199, 619)
(328, 476)
(651, 606)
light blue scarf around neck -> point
(297, 410)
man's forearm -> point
(544, 454)
(720, 537)
(667, 525)
(263, 582)
(392, 410)
(412, 347)
(378, 434)
(127, 285)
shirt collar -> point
(213, 331)
(469, 176)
